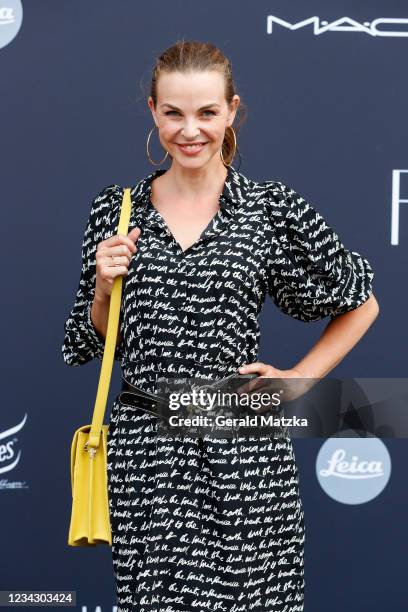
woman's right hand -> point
(113, 256)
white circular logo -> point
(353, 470)
(11, 16)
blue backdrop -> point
(326, 115)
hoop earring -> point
(147, 150)
(235, 148)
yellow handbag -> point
(90, 523)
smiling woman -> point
(197, 145)
(195, 104)
(211, 245)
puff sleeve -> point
(311, 274)
(82, 342)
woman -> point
(196, 524)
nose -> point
(190, 130)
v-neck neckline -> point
(164, 225)
(209, 228)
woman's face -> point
(181, 118)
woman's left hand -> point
(268, 371)
(290, 391)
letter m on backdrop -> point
(292, 26)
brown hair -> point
(185, 56)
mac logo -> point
(343, 24)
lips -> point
(191, 149)
(190, 144)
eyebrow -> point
(201, 108)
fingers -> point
(252, 385)
(116, 251)
(109, 272)
(257, 367)
(261, 370)
(109, 265)
(116, 260)
(119, 244)
(113, 257)
(134, 234)
(122, 242)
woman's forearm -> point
(339, 337)
(100, 314)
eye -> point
(173, 111)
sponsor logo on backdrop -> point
(98, 609)
(382, 26)
(353, 470)
(10, 453)
(11, 17)
(396, 200)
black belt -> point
(139, 398)
(136, 397)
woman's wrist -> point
(101, 298)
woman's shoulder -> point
(271, 189)
(110, 197)
(276, 189)
(283, 200)
(249, 188)
(290, 215)
(103, 210)
(105, 197)
(277, 199)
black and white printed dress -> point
(210, 524)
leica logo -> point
(6, 15)
(338, 466)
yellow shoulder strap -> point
(111, 336)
